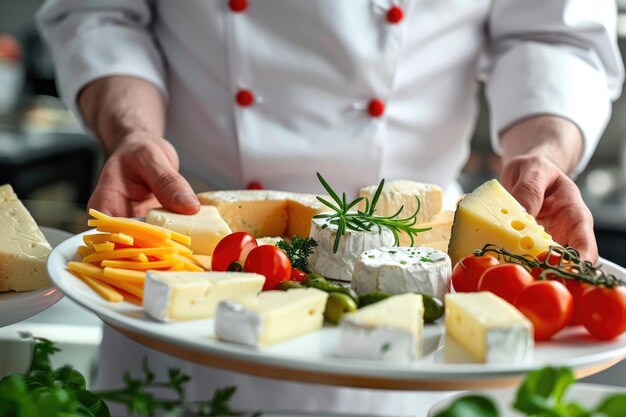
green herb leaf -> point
(470, 406)
(298, 251)
(612, 406)
(542, 391)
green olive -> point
(372, 297)
(337, 305)
(288, 285)
(331, 287)
(433, 308)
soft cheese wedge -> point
(206, 228)
(489, 214)
(488, 328)
(176, 295)
(399, 270)
(340, 265)
(23, 248)
(402, 193)
(264, 212)
(271, 317)
(390, 330)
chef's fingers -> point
(583, 238)
(159, 165)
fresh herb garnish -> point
(385, 347)
(298, 251)
(365, 221)
(570, 265)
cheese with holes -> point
(265, 213)
(24, 249)
(399, 270)
(489, 214)
(180, 295)
(440, 228)
(402, 193)
(206, 228)
(390, 330)
(488, 328)
(339, 265)
(271, 317)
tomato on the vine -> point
(603, 311)
(548, 305)
(468, 270)
(234, 247)
(271, 262)
(506, 281)
(298, 275)
(554, 260)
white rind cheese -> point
(24, 249)
(176, 295)
(206, 228)
(390, 330)
(339, 265)
(399, 270)
(271, 317)
(401, 193)
(488, 328)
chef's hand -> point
(141, 171)
(537, 153)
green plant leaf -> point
(542, 390)
(612, 406)
(470, 406)
(69, 378)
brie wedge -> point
(399, 270)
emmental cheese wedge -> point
(265, 213)
(271, 317)
(489, 214)
(206, 228)
(176, 295)
(488, 328)
(390, 330)
(23, 248)
(402, 193)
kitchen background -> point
(52, 165)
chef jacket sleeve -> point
(99, 38)
(556, 57)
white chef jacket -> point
(271, 91)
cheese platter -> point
(322, 289)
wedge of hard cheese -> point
(438, 236)
(265, 213)
(23, 248)
(489, 214)
(271, 317)
(176, 295)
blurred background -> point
(53, 165)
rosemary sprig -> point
(345, 218)
(570, 265)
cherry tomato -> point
(548, 305)
(298, 275)
(576, 288)
(506, 281)
(271, 262)
(553, 261)
(234, 247)
(603, 311)
(468, 270)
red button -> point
(238, 5)
(245, 98)
(394, 15)
(254, 185)
(376, 108)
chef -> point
(254, 93)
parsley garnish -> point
(298, 251)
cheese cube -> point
(390, 330)
(176, 295)
(402, 193)
(398, 270)
(489, 214)
(271, 317)
(23, 248)
(488, 328)
(206, 228)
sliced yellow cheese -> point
(206, 228)
(402, 193)
(23, 248)
(265, 213)
(489, 214)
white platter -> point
(586, 394)
(311, 357)
(18, 306)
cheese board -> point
(312, 357)
(18, 306)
